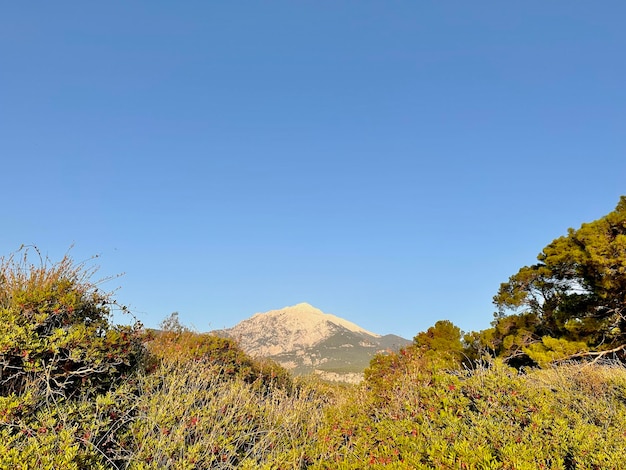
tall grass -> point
(196, 415)
(194, 418)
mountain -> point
(306, 340)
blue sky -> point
(388, 162)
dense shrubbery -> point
(176, 417)
(55, 334)
(79, 393)
(59, 358)
(176, 344)
(494, 417)
(199, 417)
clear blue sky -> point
(388, 162)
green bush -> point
(87, 432)
(74, 397)
(566, 417)
(180, 416)
(197, 416)
(176, 344)
(55, 333)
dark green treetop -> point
(572, 302)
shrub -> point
(55, 334)
(494, 418)
(87, 432)
(199, 418)
(176, 344)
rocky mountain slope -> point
(306, 340)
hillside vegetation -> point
(543, 388)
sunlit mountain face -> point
(306, 340)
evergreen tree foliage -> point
(442, 341)
(572, 302)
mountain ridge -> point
(306, 340)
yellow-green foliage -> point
(83, 433)
(576, 292)
(550, 350)
(200, 418)
(176, 417)
(567, 417)
(55, 333)
(441, 342)
(196, 416)
(181, 346)
(202, 403)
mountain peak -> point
(306, 316)
(301, 336)
(302, 308)
(290, 328)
